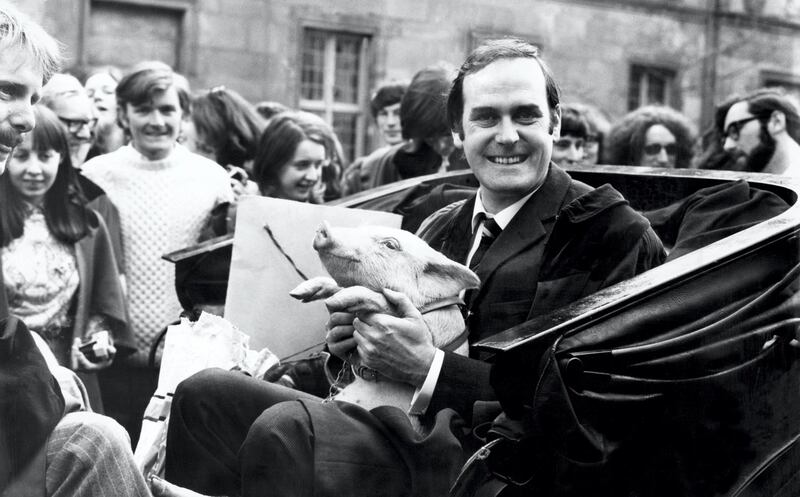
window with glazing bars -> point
(333, 83)
(650, 85)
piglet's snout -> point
(323, 240)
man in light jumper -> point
(165, 196)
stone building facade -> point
(326, 55)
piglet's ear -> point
(453, 276)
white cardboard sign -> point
(262, 275)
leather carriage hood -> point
(593, 203)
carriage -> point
(684, 380)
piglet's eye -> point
(390, 243)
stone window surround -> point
(188, 8)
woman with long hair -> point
(652, 136)
(295, 155)
(59, 270)
(225, 127)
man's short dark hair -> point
(573, 122)
(386, 95)
(140, 85)
(422, 110)
(491, 51)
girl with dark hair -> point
(60, 273)
(224, 127)
(296, 152)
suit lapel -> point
(458, 239)
(527, 228)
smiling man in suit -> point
(551, 240)
(554, 240)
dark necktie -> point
(489, 231)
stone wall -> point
(253, 45)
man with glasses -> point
(652, 136)
(65, 96)
(763, 126)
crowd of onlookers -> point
(755, 132)
(130, 165)
(126, 166)
(126, 145)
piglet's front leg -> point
(317, 288)
(357, 300)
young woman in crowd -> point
(294, 155)
(225, 128)
(101, 85)
(59, 270)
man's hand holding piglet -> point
(389, 333)
(340, 334)
(399, 346)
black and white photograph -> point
(400, 248)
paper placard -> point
(261, 276)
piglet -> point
(362, 262)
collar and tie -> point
(489, 231)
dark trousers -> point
(126, 391)
(211, 415)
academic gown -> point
(567, 241)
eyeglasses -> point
(655, 149)
(735, 127)
(75, 125)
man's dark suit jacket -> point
(568, 241)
